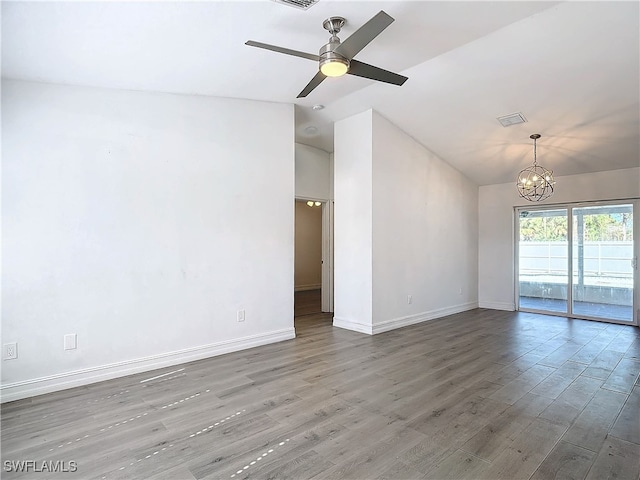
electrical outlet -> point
(241, 315)
(70, 341)
(409, 299)
(9, 351)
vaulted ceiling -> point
(571, 68)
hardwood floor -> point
(307, 302)
(483, 394)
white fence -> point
(613, 259)
(604, 264)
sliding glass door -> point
(603, 262)
(544, 260)
(578, 261)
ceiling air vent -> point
(513, 119)
(301, 4)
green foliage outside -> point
(597, 228)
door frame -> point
(569, 207)
(327, 250)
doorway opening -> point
(579, 261)
(313, 289)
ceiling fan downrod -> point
(333, 25)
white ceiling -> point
(572, 69)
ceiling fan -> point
(336, 58)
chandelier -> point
(535, 183)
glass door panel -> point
(543, 260)
(603, 256)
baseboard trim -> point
(400, 322)
(62, 381)
(351, 325)
(510, 307)
(304, 288)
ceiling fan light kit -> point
(333, 64)
(336, 58)
(535, 183)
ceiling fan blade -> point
(365, 70)
(315, 81)
(361, 37)
(287, 51)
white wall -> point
(425, 232)
(142, 222)
(308, 247)
(353, 189)
(497, 223)
(313, 173)
(406, 224)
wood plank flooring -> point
(479, 395)
(307, 302)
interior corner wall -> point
(130, 219)
(406, 224)
(313, 173)
(425, 232)
(331, 175)
(353, 223)
(496, 286)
